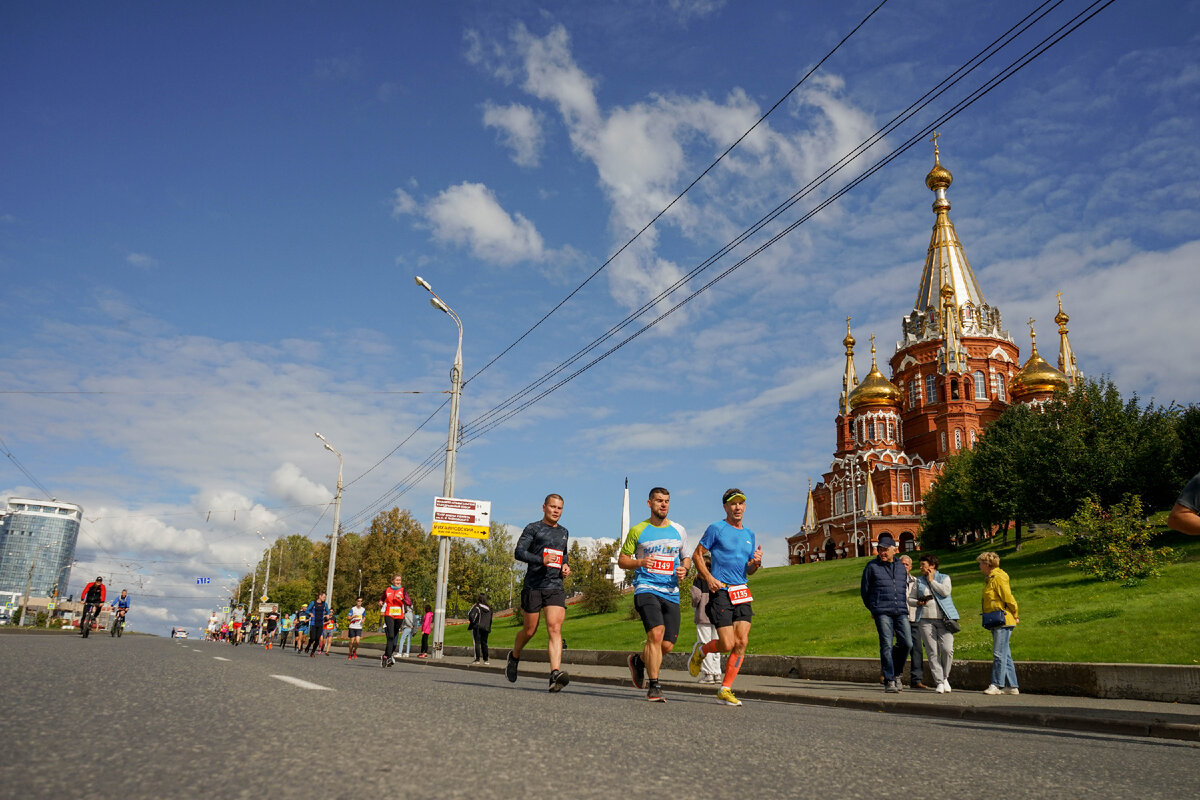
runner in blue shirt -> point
(734, 556)
(656, 550)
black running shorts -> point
(534, 600)
(723, 613)
(354, 633)
(657, 612)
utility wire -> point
(803, 192)
(506, 410)
(20, 466)
(1015, 66)
(679, 196)
(637, 235)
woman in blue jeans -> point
(997, 594)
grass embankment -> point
(815, 610)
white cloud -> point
(469, 215)
(520, 131)
(290, 485)
(141, 260)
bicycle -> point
(118, 626)
(90, 612)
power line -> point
(397, 489)
(679, 196)
(24, 471)
(481, 427)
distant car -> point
(180, 633)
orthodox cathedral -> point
(954, 371)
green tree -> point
(950, 504)
(395, 543)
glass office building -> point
(40, 534)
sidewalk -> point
(1179, 721)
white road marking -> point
(302, 684)
(194, 650)
(218, 658)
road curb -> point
(1048, 719)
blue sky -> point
(211, 216)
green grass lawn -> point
(815, 610)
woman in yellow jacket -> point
(998, 595)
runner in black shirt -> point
(543, 546)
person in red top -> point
(93, 596)
(391, 608)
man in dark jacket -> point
(884, 592)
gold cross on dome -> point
(872, 343)
(1032, 332)
(935, 144)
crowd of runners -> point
(655, 551)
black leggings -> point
(425, 643)
(393, 634)
(481, 648)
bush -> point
(600, 595)
(1114, 545)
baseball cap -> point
(885, 541)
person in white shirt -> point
(357, 613)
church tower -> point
(954, 371)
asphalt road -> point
(148, 717)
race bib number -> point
(739, 594)
(657, 565)
(393, 611)
(554, 558)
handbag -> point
(951, 625)
(993, 619)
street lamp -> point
(337, 511)
(267, 577)
(439, 611)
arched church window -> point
(980, 387)
(1000, 389)
(943, 438)
(891, 431)
(958, 438)
(838, 504)
(906, 492)
(931, 389)
(912, 394)
(954, 389)
(972, 438)
(870, 430)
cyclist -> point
(121, 606)
(93, 598)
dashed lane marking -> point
(219, 658)
(302, 684)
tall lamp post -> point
(266, 577)
(439, 611)
(29, 583)
(337, 512)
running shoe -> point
(892, 687)
(725, 695)
(1011, 690)
(510, 669)
(558, 679)
(383, 661)
(654, 693)
(694, 661)
(392, 661)
(637, 671)
(992, 689)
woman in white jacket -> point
(937, 619)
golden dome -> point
(1037, 377)
(938, 178)
(875, 390)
